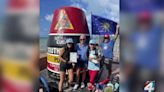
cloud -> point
(104, 8)
(49, 17)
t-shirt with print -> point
(107, 48)
(91, 64)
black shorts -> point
(81, 64)
(65, 66)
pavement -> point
(53, 84)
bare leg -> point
(78, 75)
(84, 75)
(62, 77)
(70, 74)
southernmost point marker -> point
(68, 22)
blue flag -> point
(102, 26)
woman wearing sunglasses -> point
(66, 64)
(93, 64)
(107, 47)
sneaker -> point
(89, 87)
(76, 86)
(82, 85)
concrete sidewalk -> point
(53, 84)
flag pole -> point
(91, 24)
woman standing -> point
(66, 64)
(93, 64)
(107, 47)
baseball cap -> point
(69, 40)
(144, 16)
(92, 42)
(106, 36)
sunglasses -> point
(106, 38)
(82, 39)
(69, 43)
(92, 44)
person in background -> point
(93, 64)
(107, 49)
(81, 65)
(146, 49)
(66, 64)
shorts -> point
(65, 66)
(109, 64)
(81, 64)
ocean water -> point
(43, 44)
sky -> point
(105, 8)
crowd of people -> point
(90, 58)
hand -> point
(69, 62)
(91, 59)
(64, 61)
(73, 65)
(78, 56)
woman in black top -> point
(65, 64)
